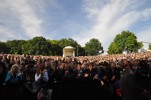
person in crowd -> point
(78, 72)
(127, 68)
(90, 72)
(44, 74)
(59, 73)
(3, 73)
(13, 77)
(28, 77)
(103, 73)
(21, 70)
(28, 74)
(36, 83)
(43, 79)
(115, 80)
(37, 75)
(51, 67)
(13, 82)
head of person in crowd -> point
(14, 69)
(79, 66)
(39, 61)
(4, 57)
(113, 65)
(90, 66)
(105, 64)
(38, 70)
(27, 69)
(8, 57)
(12, 58)
(62, 66)
(21, 67)
(46, 63)
(53, 64)
(42, 69)
(84, 64)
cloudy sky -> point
(81, 20)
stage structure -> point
(68, 51)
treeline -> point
(41, 46)
(124, 41)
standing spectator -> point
(78, 72)
(91, 73)
(59, 73)
(13, 81)
(12, 76)
(43, 94)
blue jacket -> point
(11, 78)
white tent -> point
(68, 51)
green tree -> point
(126, 41)
(37, 46)
(4, 48)
(81, 51)
(150, 47)
(93, 47)
(113, 48)
(67, 42)
(56, 49)
(15, 46)
(132, 45)
(27, 47)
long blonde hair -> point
(14, 66)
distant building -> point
(144, 50)
(145, 47)
(68, 51)
(124, 52)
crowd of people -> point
(119, 74)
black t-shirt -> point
(91, 73)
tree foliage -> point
(55, 48)
(93, 47)
(126, 41)
(4, 48)
(37, 46)
(150, 47)
(67, 42)
(15, 46)
(113, 48)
